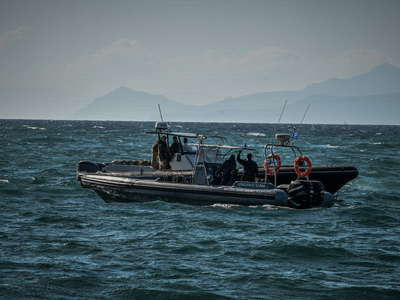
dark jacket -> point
(249, 166)
(175, 148)
(227, 167)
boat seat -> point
(233, 177)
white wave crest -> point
(256, 134)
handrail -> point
(271, 147)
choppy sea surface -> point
(59, 241)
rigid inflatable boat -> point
(193, 176)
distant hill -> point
(124, 104)
(383, 79)
(369, 98)
(374, 109)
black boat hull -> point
(175, 186)
(130, 189)
(332, 177)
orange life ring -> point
(267, 163)
(297, 162)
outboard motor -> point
(300, 194)
(306, 194)
(319, 193)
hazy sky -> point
(67, 53)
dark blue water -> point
(59, 241)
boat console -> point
(282, 138)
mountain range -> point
(369, 98)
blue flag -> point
(295, 134)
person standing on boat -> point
(185, 146)
(250, 167)
(154, 156)
(163, 153)
(227, 167)
(175, 146)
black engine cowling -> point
(300, 194)
(305, 194)
(319, 193)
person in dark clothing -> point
(249, 166)
(175, 146)
(227, 167)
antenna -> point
(305, 113)
(283, 109)
(159, 108)
(282, 112)
(294, 128)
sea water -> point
(59, 241)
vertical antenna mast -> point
(282, 112)
(159, 108)
(305, 113)
(294, 128)
(283, 109)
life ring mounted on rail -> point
(268, 161)
(297, 163)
